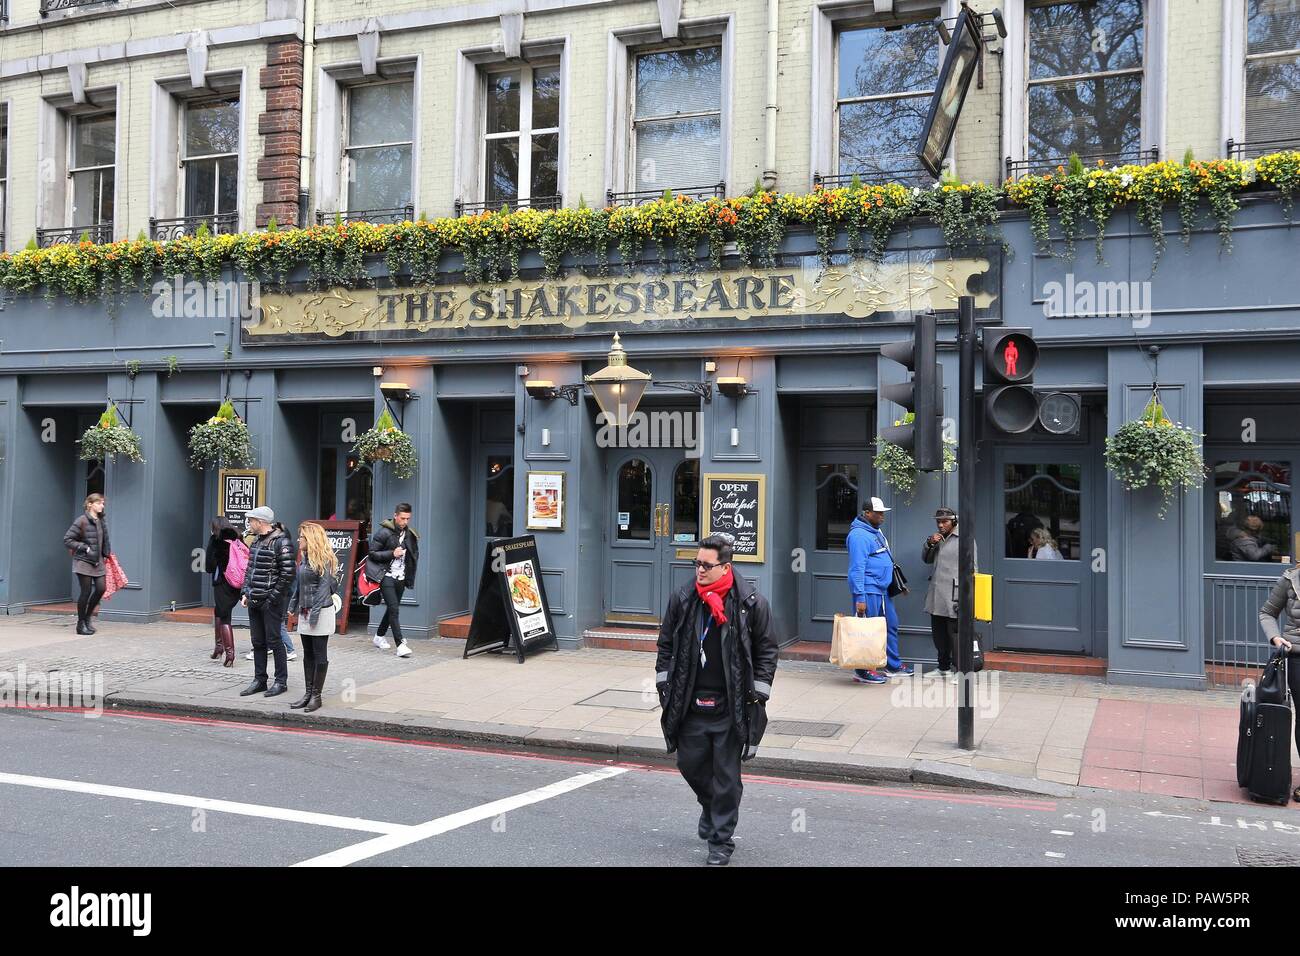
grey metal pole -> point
(966, 518)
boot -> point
(218, 647)
(317, 685)
(90, 627)
(228, 645)
(308, 670)
(82, 627)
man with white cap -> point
(871, 572)
(267, 581)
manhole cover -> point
(627, 699)
(1252, 856)
(804, 728)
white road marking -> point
(1055, 856)
(205, 803)
(422, 831)
(1062, 833)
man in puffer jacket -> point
(265, 593)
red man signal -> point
(1009, 356)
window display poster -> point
(545, 501)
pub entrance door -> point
(833, 483)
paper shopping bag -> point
(858, 642)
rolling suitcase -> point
(1246, 734)
(1268, 776)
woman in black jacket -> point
(315, 602)
(224, 595)
(1285, 599)
(87, 540)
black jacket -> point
(380, 556)
(88, 540)
(749, 646)
(314, 592)
(270, 570)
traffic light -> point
(923, 396)
(1010, 356)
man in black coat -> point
(267, 580)
(717, 658)
(390, 562)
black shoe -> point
(90, 627)
(718, 857)
(83, 628)
(255, 687)
(277, 689)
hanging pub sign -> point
(343, 537)
(240, 490)
(511, 609)
(954, 80)
(733, 504)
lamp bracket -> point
(703, 389)
(570, 393)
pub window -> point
(686, 501)
(1042, 508)
(377, 157)
(92, 170)
(1272, 73)
(635, 499)
(1252, 520)
(885, 79)
(521, 138)
(1085, 78)
(837, 505)
(210, 160)
(677, 119)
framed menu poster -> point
(734, 504)
(545, 501)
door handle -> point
(663, 521)
(656, 520)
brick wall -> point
(280, 126)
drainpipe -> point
(769, 162)
(306, 150)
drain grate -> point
(804, 728)
(1254, 856)
(626, 699)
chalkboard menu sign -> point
(511, 610)
(343, 537)
(239, 491)
(734, 504)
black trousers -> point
(943, 631)
(392, 590)
(264, 624)
(708, 756)
(1293, 679)
(92, 589)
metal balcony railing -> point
(49, 6)
(1038, 167)
(101, 233)
(375, 216)
(638, 196)
(914, 175)
(218, 223)
(534, 202)
(1260, 147)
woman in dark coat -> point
(1284, 601)
(87, 540)
(225, 595)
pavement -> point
(1040, 734)
(157, 790)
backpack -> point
(236, 564)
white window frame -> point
(634, 59)
(1235, 58)
(828, 20)
(345, 154)
(167, 142)
(624, 46)
(1015, 84)
(70, 195)
(524, 134)
(185, 161)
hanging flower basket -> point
(1156, 452)
(223, 439)
(110, 437)
(898, 468)
(386, 442)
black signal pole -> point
(966, 513)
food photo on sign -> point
(526, 598)
(545, 501)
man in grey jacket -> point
(941, 599)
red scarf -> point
(713, 595)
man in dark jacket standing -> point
(717, 658)
(265, 593)
(394, 550)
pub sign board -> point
(734, 504)
(511, 609)
(343, 538)
(239, 491)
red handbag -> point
(368, 589)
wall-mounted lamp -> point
(544, 390)
(398, 392)
(733, 386)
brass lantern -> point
(618, 387)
